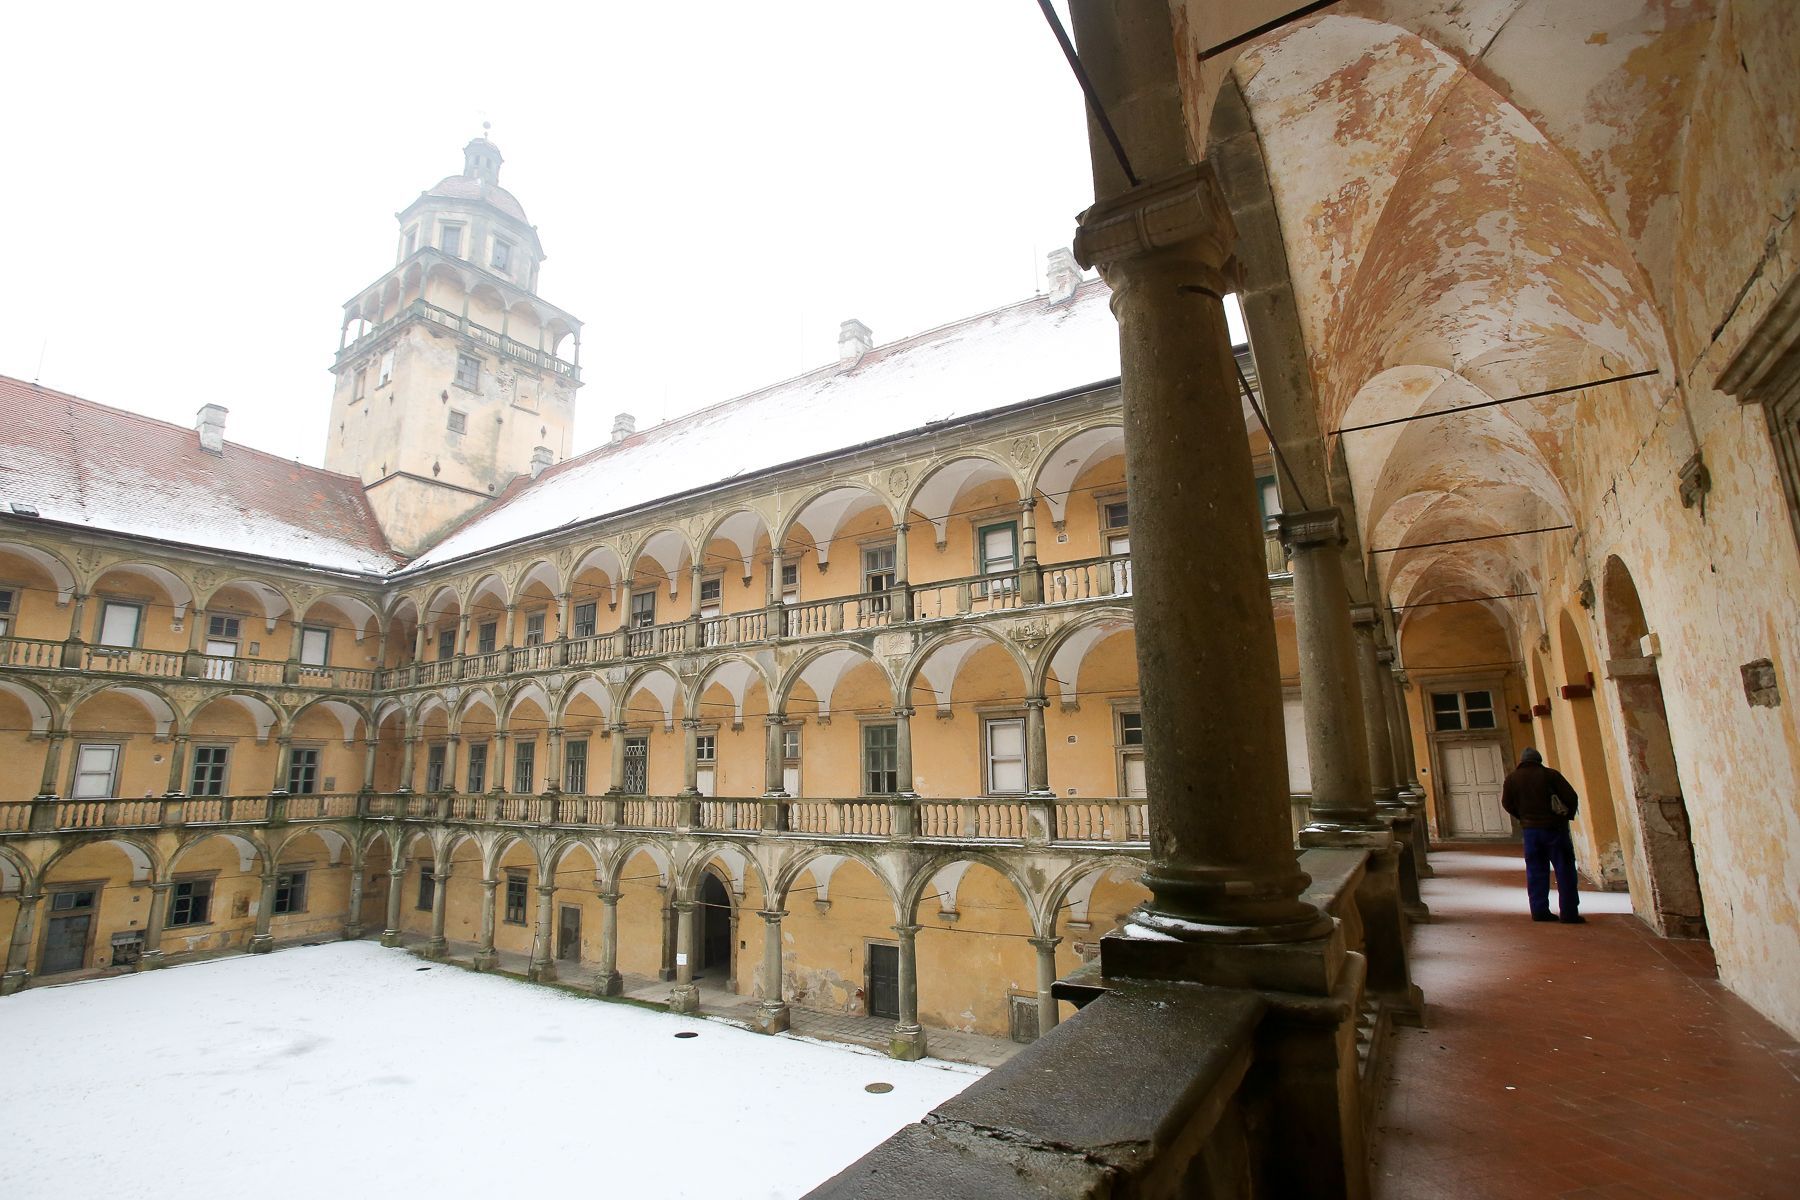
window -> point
(190, 900)
(1115, 522)
(711, 591)
(790, 745)
(486, 637)
(534, 629)
(290, 893)
(209, 770)
(706, 748)
(575, 767)
(1131, 752)
(412, 242)
(881, 760)
(459, 420)
(1005, 739)
(997, 550)
(790, 577)
(446, 644)
(1117, 514)
(223, 627)
(303, 771)
(1452, 712)
(587, 619)
(878, 574)
(1131, 729)
(434, 768)
(68, 901)
(427, 886)
(477, 766)
(8, 598)
(514, 912)
(96, 773)
(468, 372)
(359, 385)
(502, 255)
(120, 623)
(450, 237)
(525, 767)
(637, 767)
(315, 646)
(386, 374)
(643, 609)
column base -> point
(152, 960)
(1308, 967)
(770, 1018)
(486, 960)
(541, 972)
(435, 949)
(390, 938)
(353, 932)
(609, 983)
(684, 999)
(12, 981)
(262, 943)
(907, 1043)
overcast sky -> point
(192, 192)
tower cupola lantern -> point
(481, 159)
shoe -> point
(1542, 917)
(1577, 919)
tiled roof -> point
(1015, 354)
(83, 463)
(466, 187)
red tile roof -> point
(83, 463)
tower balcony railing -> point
(493, 339)
(1087, 822)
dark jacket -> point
(1527, 792)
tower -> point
(453, 376)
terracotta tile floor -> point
(1577, 1060)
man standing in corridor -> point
(1544, 803)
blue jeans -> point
(1544, 849)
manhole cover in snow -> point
(421, 968)
(687, 1033)
(878, 1088)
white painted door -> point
(790, 780)
(1473, 773)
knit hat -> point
(1531, 756)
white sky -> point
(193, 191)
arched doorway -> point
(715, 926)
(1652, 775)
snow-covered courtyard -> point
(349, 1069)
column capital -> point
(397, 872)
(1045, 943)
(902, 712)
(1185, 209)
(609, 898)
(162, 885)
(546, 890)
(490, 884)
(1364, 616)
(1384, 654)
(690, 723)
(1027, 503)
(772, 916)
(906, 932)
(775, 718)
(1037, 702)
(617, 727)
(684, 906)
(1316, 527)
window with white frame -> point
(1005, 749)
(96, 772)
(643, 608)
(1129, 735)
(790, 583)
(575, 764)
(878, 574)
(534, 629)
(997, 553)
(468, 372)
(525, 767)
(881, 759)
(459, 420)
(1115, 523)
(712, 592)
(1453, 712)
(587, 619)
(315, 646)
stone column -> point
(694, 574)
(439, 945)
(391, 935)
(508, 634)
(553, 759)
(1410, 790)
(903, 756)
(18, 950)
(1048, 1014)
(772, 1014)
(562, 616)
(908, 1039)
(774, 778)
(690, 762)
(903, 610)
(617, 729)
(283, 751)
(419, 641)
(543, 950)
(1031, 583)
(291, 672)
(353, 926)
(499, 767)
(485, 957)
(607, 980)
(408, 745)
(1223, 865)
(463, 623)
(153, 925)
(1037, 748)
(448, 783)
(193, 664)
(72, 647)
(686, 997)
(178, 745)
(1375, 726)
(53, 744)
(262, 942)
(370, 746)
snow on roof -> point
(1009, 356)
(83, 463)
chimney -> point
(1063, 274)
(854, 341)
(210, 423)
(540, 458)
(624, 425)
